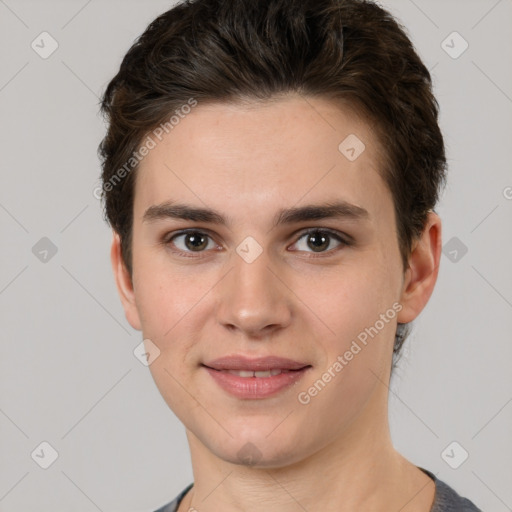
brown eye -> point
(319, 240)
(190, 241)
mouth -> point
(247, 378)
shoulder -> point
(446, 499)
(173, 505)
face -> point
(268, 271)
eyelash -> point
(168, 238)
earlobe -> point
(124, 283)
(421, 276)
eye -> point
(191, 241)
(319, 240)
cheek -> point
(358, 353)
(168, 304)
(357, 302)
(347, 297)
(173, 307)
(164, 296)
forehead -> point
(257, 155)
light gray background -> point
(67, 371)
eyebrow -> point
(333, 209)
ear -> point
(124, 283)
(421, 275)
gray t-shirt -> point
(445, 499)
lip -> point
(240, 362)
(255, 387)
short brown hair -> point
(230, 50)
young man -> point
(270, 172)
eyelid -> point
(343, 238)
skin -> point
(248, 161)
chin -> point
(256, 451)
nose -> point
(253, 298)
